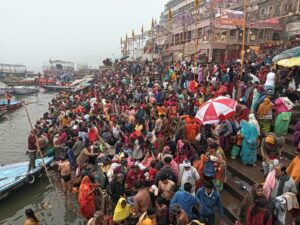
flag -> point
(197, 4)
(126, 38)
(155, 22)
(152, 23)
(133, 35)
(170, 15)
(121, 40)
(142, 30)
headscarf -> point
(264, 107)
(86, 187)
(253, 120)
(121, 213)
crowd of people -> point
(133, 150)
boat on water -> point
(5, 89)
(14, 176)
(56, 88)
(12, 106)
(2, 113)
(23, 90)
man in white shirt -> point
(270, 81)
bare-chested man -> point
(65, 172)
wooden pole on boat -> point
(37, 144)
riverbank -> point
(50, 205)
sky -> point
(81, 31)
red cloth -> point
(86, 198)
(131, 177)
(93, 136)
(257, 219)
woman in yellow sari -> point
(122, 211)
(264, 115)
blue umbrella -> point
(293, 52)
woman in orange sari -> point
(86, 198)
(191, 127)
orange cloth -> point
(191, 128)
(264, 108)
(86, 198)
(294, 169)
(161, 110)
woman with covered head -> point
(265, 115)
(249, 143)
(86, 198)
(257, 192)
(122, 211)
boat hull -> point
(24, 91)
(56, 88)
(12, 106)
(14, 176)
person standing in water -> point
(65, 172)
(30, 218)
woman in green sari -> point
(283, 117)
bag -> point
(288, 103)
(292, 85)
(209, 169)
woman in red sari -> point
(86, 198)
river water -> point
(50, 204)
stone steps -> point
(241, 178)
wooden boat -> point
(5, 90)
(2, 113)
(12, 106)
(23, 90)
(56, 88)
(14, 176)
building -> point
(7, 70)
(213, 33)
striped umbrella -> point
(209, 112)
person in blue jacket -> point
(209, 199)
(185, 199)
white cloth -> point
(270, 79)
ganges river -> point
(49, 203)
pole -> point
(196, 44)
(244, 38)
(37, 144)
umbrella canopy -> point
(209, 112)
(290, 62)
(293, 52)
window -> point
(189, 36)
(200, 33)
(277, 10)
(262, 11)
(261, 35)
(270, 10)
(176, 39)
(232, 33)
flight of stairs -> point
(246, 176)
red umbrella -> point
(209, 112)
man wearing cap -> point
(188, 174)
(209, 199)
(271, 151)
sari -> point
(282, 123)
(249, 144)
(86, 198)
(120, 213)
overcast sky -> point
(81, 31)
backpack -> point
(234, 128)
(209, 169)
